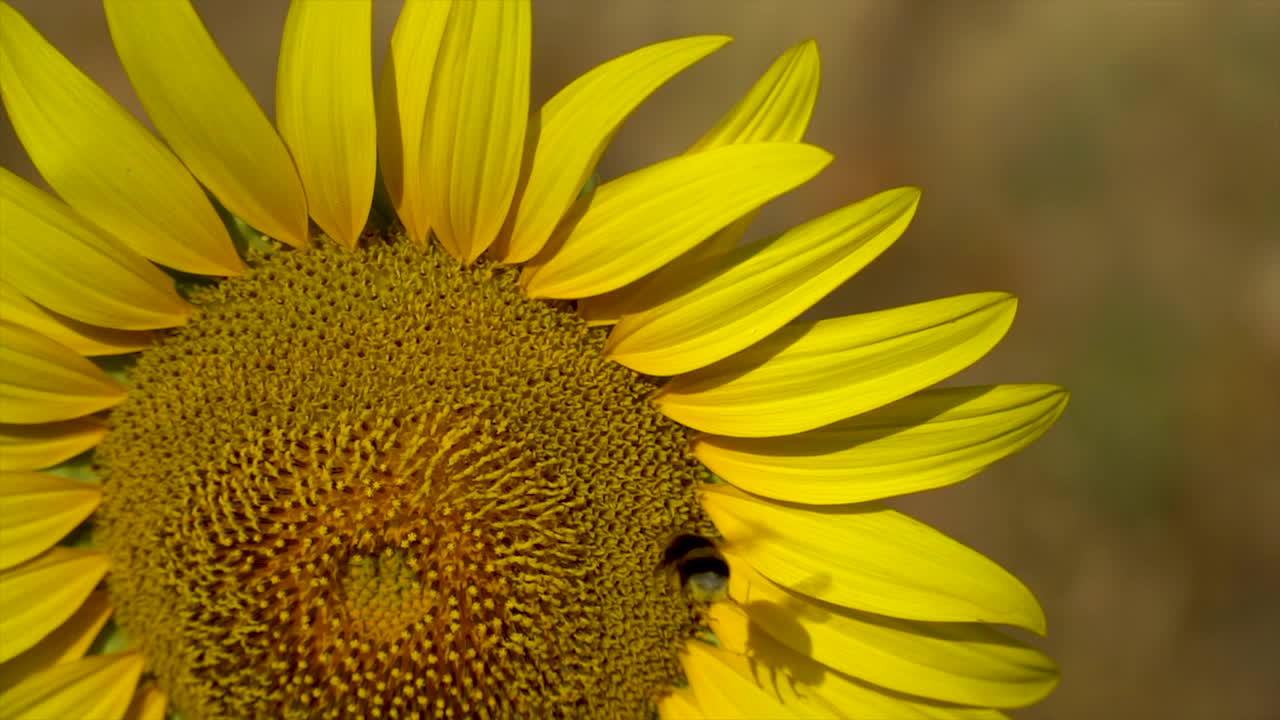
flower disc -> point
(378, 484)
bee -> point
(696, 562)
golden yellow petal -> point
(680, 704)
(99, 687)
(926, 440)
(645, 219)
(42, 381)
(207, 115)
(966, 663)
(474, 130)
(149, 703)
(870, 558)
(102, 161)
(59, 260)
(402, 105)
(325, 110)
(36, 447)
(810, 689)
(39, 595)
(37, 510)
(69, 642)
(714, 308)
(573, 129)
(807, 375)
(777, 108)
(85, 339)
(648, 291)
(724, 685)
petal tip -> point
(1061, 396)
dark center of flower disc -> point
(377, 484)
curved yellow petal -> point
(37, 510)
(966, 663)
(149, 703)
(647, 292)
(574, 128)
(474, 131)
(641, 221)
(38, 595)
(36, 447)
(810, 374)
(86, 339)
(777, 108)
(60, 261)
(717, 307)
(870, 558)
(402, 105)
(70, 641)
(99, 687)
(102, 161)
(608, 308)
(680, 704)
(325, 110)
(933, 438)
(724, 685)
(812, 689)
(42, 381)
(207, 115)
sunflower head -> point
(537, 447)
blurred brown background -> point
(1116, 165)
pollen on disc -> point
(377, 484)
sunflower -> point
(408, 422)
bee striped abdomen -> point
(702, 570)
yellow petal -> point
(102, 161)
(477, 112)
(402, 105)
(38, 595)
(724, 686)
(99, 687)
(35, 447)
(325, 111)
(926, 440)
(777, 108)
(574, 128)
(60, 261)
(966, 663)
(811, 374)
(149, 703)
(811, 689)
(88, 340)
(870, 558)
(646, 293)
(207, 115)
(719, 306)
(680, 704)
(643, 220)
(37, 510)
(42, 381)
(69, 642)
(608, 308)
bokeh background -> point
(1116, 164)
